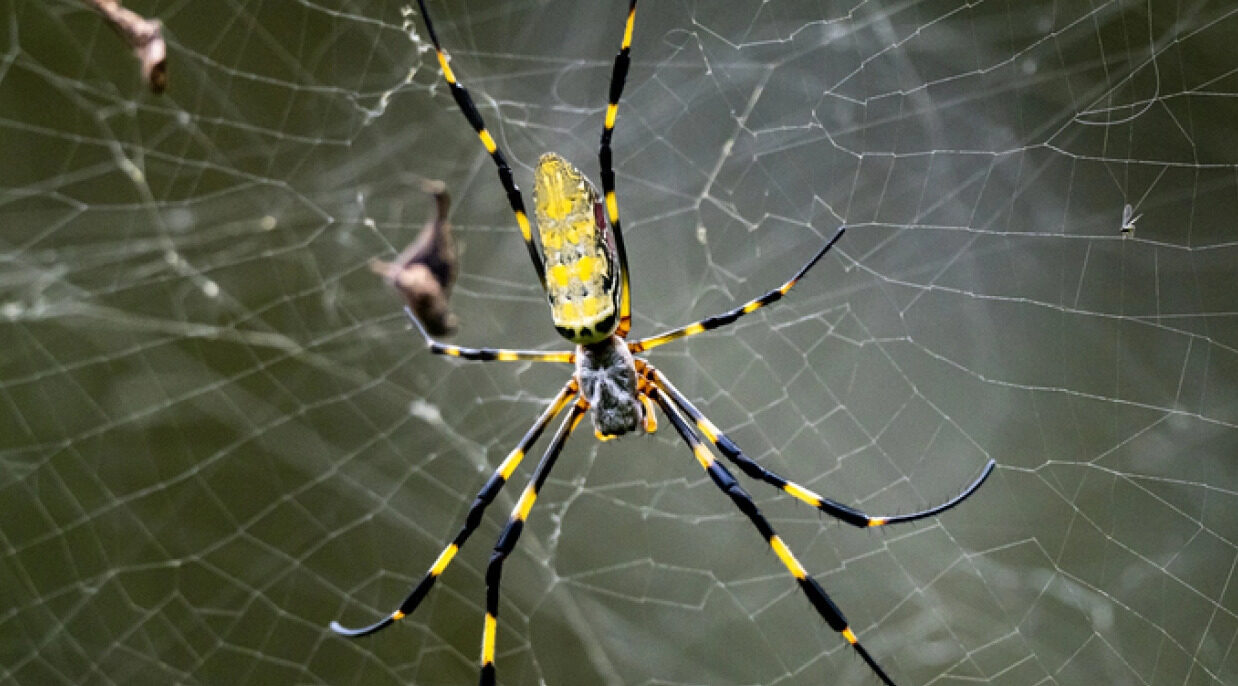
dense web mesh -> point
(217, 433)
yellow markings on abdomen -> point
(580, 267)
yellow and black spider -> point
(591, 306)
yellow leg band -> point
(784, 554)
(707, 428)
(651, 420)
(526, 503)
(509, 465)
(447, 72)
(803, 494)
(487, 640)
(487, 140)
(525, 229)
(627, 30)
(612, 207)
(703, 455)
(444, 559)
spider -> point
(583, 270)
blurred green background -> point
(217, 433)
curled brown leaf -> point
(145, 38)
(426, 270)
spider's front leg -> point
(618, 77)
(720, 320)
(469, 109)
(833, 508)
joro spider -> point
(576, 267)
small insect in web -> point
(1128, 220)
(583, 268)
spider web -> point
(218, 434)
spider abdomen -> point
(577, 254)
(607, 377)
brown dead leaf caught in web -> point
(426, 270)
(145, 38)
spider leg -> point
(511, 533)
(469, 109)
(618, 78)
(720, 320)
(490, 354)
(835, 509)
(727, 484)
(483, 499)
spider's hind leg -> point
(484, 497)
(723, 479)
(833, 508)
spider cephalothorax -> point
(584, 270)
(606, 373)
